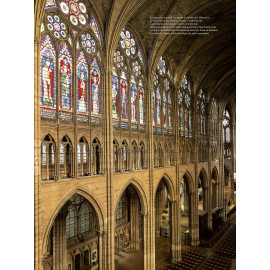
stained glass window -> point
(213, 121)
(115, 96)
(71, 223)
(85, 217)
(65, 82)
(82, 89)
(140, 56)
(56, 26)
(201, 114)
(184, 108)
(124, 102)
(136, 68)
(161, 66)
(42, 28)
(95, 91)
(154, 106)
(94, 27)
(141, 97)
(158, 109)
(76, 11)
(169, 112)
(88, 43)
(120, 210)
(48, 75)
(50, 3)
(128, 43)
(133, 100)
(118, 59)
(164, 112)
(226, 127)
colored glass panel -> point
(118, 59)
(169, 111)
(114, 95)
(128, 43)
(161, 66)
(82, 82)
(141, 93)
(95, 89)
(57, 26)
(65, 80)
(48, 75)
(50, 4)
(154, 106)
(164, 111)
(76, 10)
(78, 153)
(88, 43)
(158, 107)
(133, 100)
(94, 27)
(124, 102)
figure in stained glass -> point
(140, 92)
(158, 107)
(123, 100)
(164, 110)
(114, 94)
(154, 106)
(47, 72)
(95, 88)
(65, 77)
(133, 101)
(82, 84)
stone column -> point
(194, 219)
(134, 221)
(175, 230)
(59, 240)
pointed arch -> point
(168, 180)
(90, 197)
(140, 191)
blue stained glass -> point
(50, 3)
(94, 27)
(115, 95)
(133, 101)
(95, 88)
(154, 106)
(48, 75)
(158, 107)
(164, 111)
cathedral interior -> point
(135, 149)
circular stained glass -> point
(73, 20)
(64, 7)
(87, 42)
(50, 19)
(128, 43)
(82, 19)
(93, 43)
(82, 8)
(57, 26)
(50, 27)
(74, 8)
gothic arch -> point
(204, 177)
(167, 179)
(140, 191)
(90, 197)
(190, 181)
